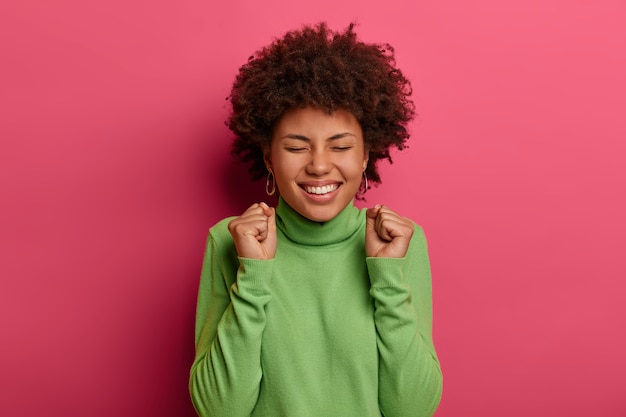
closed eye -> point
(295, 149)
(341, 148)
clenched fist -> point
(254, 232)
(387, 234)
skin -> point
(318, 161)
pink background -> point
(114, 163)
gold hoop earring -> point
(270, 180)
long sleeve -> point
(410, 380)
(230, 321)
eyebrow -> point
(306, 139)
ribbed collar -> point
(306, 232)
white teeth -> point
(321, 190)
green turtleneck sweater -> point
(321, 330)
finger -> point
(382, 216)
(248, 219)
(250, 216)
(255, 208)
(370, 216)
(255, 212)
(393, 228)
(267, 210)
(390, 225)
(270, 212)
(372, 213)
(254, 228)
(383, 229)
(387, 214)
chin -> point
(321, 214)
(321, 219)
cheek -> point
(354, 168)
(285, 168)
(361, 163)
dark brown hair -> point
(317, 67)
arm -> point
(233, 293)
(410, 380)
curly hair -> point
(317, 67)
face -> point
(318, 160)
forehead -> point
(315, 123)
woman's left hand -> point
(387, 234)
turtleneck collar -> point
(306, 232)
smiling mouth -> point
(324, 189)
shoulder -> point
(219, 237)
(418, 232)
(419, 237)
(418, 246)
(220, 229)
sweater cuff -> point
(255, 274)
(385, 272)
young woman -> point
(317, 308)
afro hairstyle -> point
(317, 67)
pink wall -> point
(114, 163)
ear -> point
(366, 158)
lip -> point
(319, 183)
(320, 198)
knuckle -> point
(232, 224)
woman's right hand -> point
(254, 232)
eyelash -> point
(334, 148)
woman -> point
(316, 308)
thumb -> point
(271, 241)
(270, 212)
(372, 213)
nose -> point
(320, 163)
